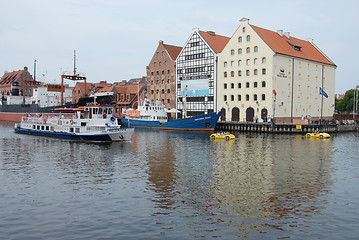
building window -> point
(239, 73)
(154, 64)
(160, 63)
(255, 61)
(225, 98)
(248, 38)
(232, 63)
(232, 85)
(225, 64)
(264, 71)
(163, 53)
(247, 97)
(255, 84)
(152, 91)
(255, 71)
(151, 73)
(232, 51)
(255, 97)
(225, 86)
(247, 61)
(247, 84)
(264, 60)
(239, 98)
(225, 74)
(263, 97)
(264, 84)
(163, 72)
(239, 50)
(240, 39)
(166, 62)
(232, 97)
(239, 62)
(244, 29)
(232, 74)
(158, 54)
(248, 49)
(163, 91)
(255, 48)
(239, 85)
(247, 73)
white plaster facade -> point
(49, 98)
(249, 70)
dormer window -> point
(295, 47)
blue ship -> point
(147, 116)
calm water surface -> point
(175, 185)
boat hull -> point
(206, 122)
(115, 135)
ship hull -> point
(206, 122)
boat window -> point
(100, 111)
(105, 110)
(47, 128)
(71, 130)
(95, 110)
(42, 127)
(38, 127)
(33, 127)
(110, 111)
(77, 130)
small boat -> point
(88, 123)
(222, 136)
(155, 116)
(317, 135)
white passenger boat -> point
(88, 123)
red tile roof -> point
(173, 51)
(217, 42)
(10, 77)
(282, 45)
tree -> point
(345, 105)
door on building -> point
(264, 114)
(249, 114)
(223, 115)
(235, 114)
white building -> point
(196, 78)
(50, 95)
(262, 74)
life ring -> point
(113, 119)
(44, 121)
(71, 121)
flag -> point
(275, 94)
(321, 92)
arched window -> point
(232, 74)
(225, 64)
(248, 50)
(264, 60)
(240, 39)
(232, 51)
(248, 38)
(255, 48)
(239, 50)
(239, 73)
(263, 97)
(225, 98)
(264, 84)
(244, 29)
(255, 97)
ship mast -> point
(74, 77)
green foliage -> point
(345, 105)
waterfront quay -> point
(283, 127)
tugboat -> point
(87, 123)
(155, 117)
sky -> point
(115, 40)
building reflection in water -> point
(271, 179)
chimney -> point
(287, 34)
(160, 42)
(280, 32)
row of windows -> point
(163, 72)
(158, 91)
(163, 81)
(196, 69)
(158, 54)
(194, 56)
(248, 39)
(248, 50)
(255, 85)
(248, 61)
(160, 63)
(248, 72)
(195, 44)
(239, 97)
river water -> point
(179, 185)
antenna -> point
(74, 62)
(35, 70)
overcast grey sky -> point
(115, 40)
